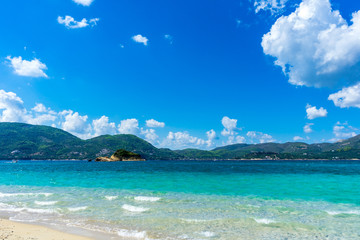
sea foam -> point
(350, 212)
(264, 220)
(207, 234)
(131, 234)
(110, 198)
(24, 194)
(45, 203)
(131, 208)
(76, 209)
(10, 208)
(147, 199)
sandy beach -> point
(10, 230)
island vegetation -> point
(121, 155)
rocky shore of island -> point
(121, 155)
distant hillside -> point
(24, 141)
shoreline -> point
(12, 230)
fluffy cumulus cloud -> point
(307, 128)
(274, 6)
(150, 135)
(152, 123)
(259, 137)
(234, 140)
(347, 97)
(71, 23)
(129, 126)
(76, 124)
(315, 46)
(102, 126)
(211, 136)
(11, 107)
(84, 2)
(33, 68)
(313, 112)
(230, 131)
(229, 126)
(181, 140)
(140, 39)
(342, 131)
(40, 108)
(12, 110)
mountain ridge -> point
(25, 141)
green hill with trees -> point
(24, 141)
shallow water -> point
(188, 199)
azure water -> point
(187, 199)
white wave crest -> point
(24, 194)
(131, 234)
(37, 210)
(76, 209)
(207, 234)
(264, 220)
(131, 208)
(45, 203)
(147, 199)
(10, 208)
(110, 198)
(352, 212)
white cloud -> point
(94, 21)
(84, 2)
(41, 119)
(229, 126)
(274, 6)
(33, 68)
(297, 138)
(314, 45)
(71, 23)
(343, 131)
(211, 135)
(40, 108)
(129, 126)
(234, 140)
(347, 97)
(180, 140)
(313, 112)
(150, 135)
(307, 128)
(152, 123)
(102, 126)
(41, 115)
(12, 108)
(76, 124)
(230, 131)
(259, 137)
(140, 39)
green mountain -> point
(24, 141)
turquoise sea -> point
(187, 199)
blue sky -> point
(203, 72)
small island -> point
(121, 155)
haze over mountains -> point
(24, 141)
